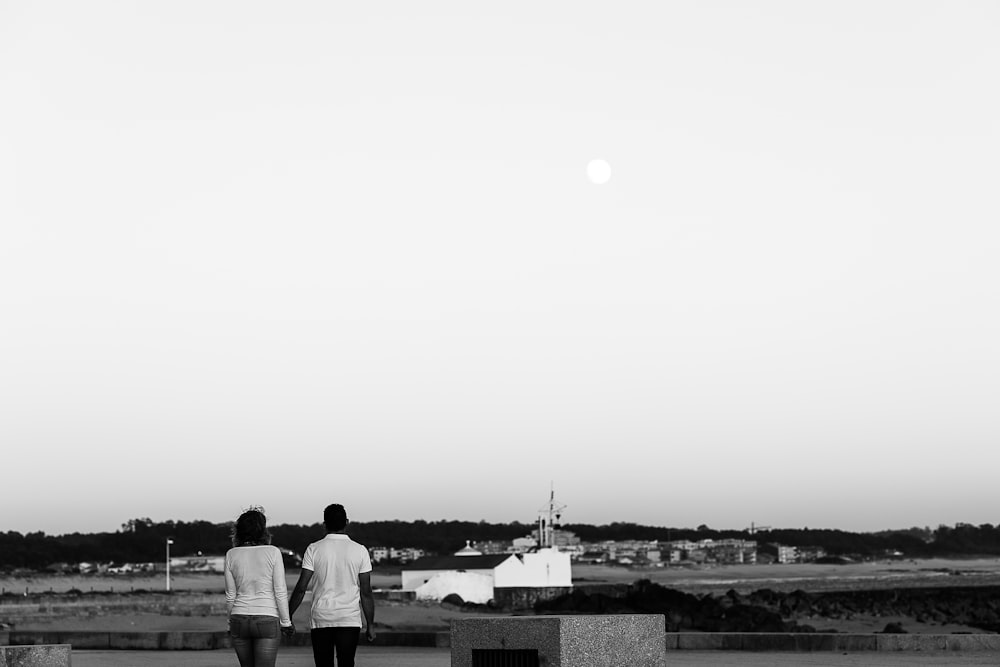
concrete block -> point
(40, 655)
(300, 638)
(908, 642)
(813, 641)
(194, 641)
(637, 640)
(20, 638)
(85, 640)
(403, 638)
(708, 641)
(767, 641)
(854, 643)
(973, 642)
(134, 641)
(30, 638)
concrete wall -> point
(614, 640)
(810, 641)
(197, 641)
(672, 641)
(51, 607)
(35, 656)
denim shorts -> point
(246, 626)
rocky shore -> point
(767, 610)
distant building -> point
(468, 550)
(810, 554)
(476, 577)
(526, 543)
(780, 552)
(402, 555)
(494, 546)
(733, 551)
(407, 554)
(198, 564)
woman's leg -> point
(239, 635)
(266, 638)
(265, 652)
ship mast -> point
(548, 520)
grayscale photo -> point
(466, 334)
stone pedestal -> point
(636, 640)
(42, 655)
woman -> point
(256, 593)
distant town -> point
(143, 545)
(626, 553)
(636, 553)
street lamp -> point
(169, 542)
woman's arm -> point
(280, 589)
(230, 586)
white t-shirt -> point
(255, 582)
(336, 561)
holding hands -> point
(288, 630)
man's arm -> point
(300, 590)
(367, 604)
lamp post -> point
(169, 542)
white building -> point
(470, 577)
(474, 576)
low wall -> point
(192, 641)
(394, 595)
(35, 656)
(808, 642)
(55, 606)
(673, 641)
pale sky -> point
(290, 254)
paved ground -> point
(374, 656)
(368, 656)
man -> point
(339, 570)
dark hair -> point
(251, 528)
(335, 517)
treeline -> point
(143, 540)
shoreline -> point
(127, 603)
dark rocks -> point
(894, 629)
(766, 610)
(452, 599)
(682, 611)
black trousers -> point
(328, 641)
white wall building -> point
(473, 578)
(535, 569)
